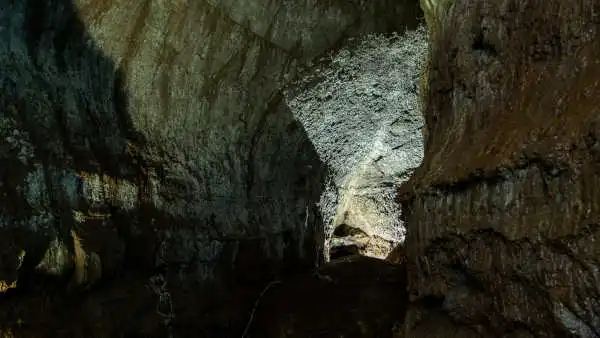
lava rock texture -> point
(503, 216)
(360, 109)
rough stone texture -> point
(503, 214)
(151, 138)
(360, 109)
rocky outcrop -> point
(151, 138)
(503, 214)
(360, 109)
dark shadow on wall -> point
(250, 264)
(64, 114)
(396, 15)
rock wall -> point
(135, 117)
(360, 109)
(503, 214)
(151, 138)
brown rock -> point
(502, 217)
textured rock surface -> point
(360, 109)
(152, 137)
(503, 214)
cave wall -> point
(502, 216)
(153, 133)
(204, 83)
(359, 106)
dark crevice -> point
(491, 177)
(469, 279)
(432, 302)
(35, 17)
(344, 230)
(257, 133)
(480, 44)
(336, 252)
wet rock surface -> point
(502, 215)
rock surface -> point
(151, 138)
(351, 297)
(360, 109)
(503, 237)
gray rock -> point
(360, 109)
(137, 123)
